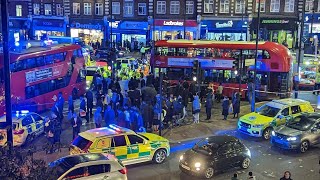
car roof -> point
(16, 118)
(112, 130)
(73, 160)
(221, 139)
(287, 102)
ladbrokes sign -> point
(173, 23)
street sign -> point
(249, 62)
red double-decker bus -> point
(38, 74)
(274, 64)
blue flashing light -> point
(24, 111)
(114, 127)
(17, 44)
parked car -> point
(125, 144)
(272, 114)
(215, 153)
(299, 133)
(26, 126)
(89, 166)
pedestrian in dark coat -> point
(89, 96)
(76, 124)
(70, 104)
(97, 117)
(225, 107)
(236, 105)
(83, 109)
(109, 116)
(146, 112)
(209, 104)
(60, 105)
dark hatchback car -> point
(215, 153)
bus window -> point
(181, 51)
(230, 76)
(217, 75)
(171, 51)
(59, 57)
(31, 63)
(49, 59)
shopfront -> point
(88, 30)
(18, 30)
(314, 20)
(49, 27)
(131, 34)
(224, 30)
(276, 30)
(174, 29)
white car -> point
(89, 166)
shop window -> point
(289, 5)
(224, 6)
(99, 9)
(275, 6)
(262, 5)
(115, 7)
(18, 10)
(189, 7)
(208, 6)
(240, 6)
(47, 9)
(59, 10)
(142, 8)
(36, 9)
(76, 8)
(161, 7)
(128, 8)
(174, 7)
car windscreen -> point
(301, 123)
(204, 147)
(81, 142)
(268, 111)
(90, 72)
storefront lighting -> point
(235, 72)
(194, 78)
(17, 44)
(307, 63)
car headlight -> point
(88, 82)
(249, 153)
(258, 126)
(181, 157)
(197, 164)
(291, 138)
(273, 133)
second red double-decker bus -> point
(217, 59)
(38, 74)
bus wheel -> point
(74, 93)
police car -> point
(275, 113)
(125, 144)
(26, 126)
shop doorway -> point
(133, 41)
(88, 36)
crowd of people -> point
(286, 176)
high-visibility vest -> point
(318, 77)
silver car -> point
(299, 133)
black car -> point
(103, 53)
(215, 153)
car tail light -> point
(21, 131)
(123, 171)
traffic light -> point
(195, 69)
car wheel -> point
(159, 156)
(304, 146)
(267, 133)
(245, 163)
(209, 173)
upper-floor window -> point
(240, 6)
(128, 8)
(99, 9)
(275, 6)
(18, 10)
(309, 5)
(208, 6)
(262, 5)
(47, 9)
(115, 7)
(87, 9)
(224, 6)
(189, 7)
(59, 9)
(174, 7)
(36, 9)
(289, 6)
(76, 8)
(142, 8)
(161, 7)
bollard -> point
(318, 102)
